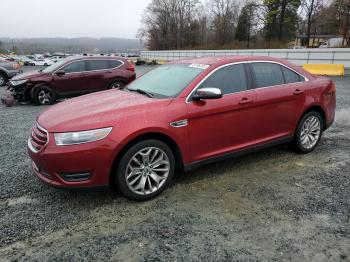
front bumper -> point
(20, 92)
(57, 165)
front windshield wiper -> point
(140, 91)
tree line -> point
(218, 24)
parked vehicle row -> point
(179, 115)
(31, 60)
(70, 77)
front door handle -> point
(245, 100)
(298, 92)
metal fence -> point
(297, 56)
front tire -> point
(43, 95)
(3, 79)
(308, 133)
(145, 170)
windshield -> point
(53, 67)
(167, 80)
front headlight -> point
(73, 138)
(18, 82)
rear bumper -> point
(329, 123)
(85, 166)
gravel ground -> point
(273, 205)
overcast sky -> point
(71, 18)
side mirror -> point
(60, 73)
(207, 93)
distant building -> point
(316, 41)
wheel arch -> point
(150, 135)
(318, 109)
(39, 84)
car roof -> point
(213, 60)
(71, 58)
(217, 61)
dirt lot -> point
(273, 205)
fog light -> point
(75, 177)
(41, 171)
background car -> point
(27, 61)
(72, 76)
(42, 62)
(7, 70)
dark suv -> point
(72, 77)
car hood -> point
(96, 110)
(29, 75)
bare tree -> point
(343, 13)
(309, 8)
(225, 16)
(171, 24)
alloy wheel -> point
(2, 80)
(117, 85)
(44, 97)
(147, 171)
(310, 132)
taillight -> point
(130, 67)
(16, 66)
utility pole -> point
(13, 46)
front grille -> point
(39, 138)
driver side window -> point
(75, 67)
(229, 79)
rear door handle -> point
(298, 92)
(245, 100)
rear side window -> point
(114, 63)
(290, 76)
(75, 67)
(98, 64)
(229, 79)
(267, 74)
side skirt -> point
(237, 153)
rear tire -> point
(43, 95)
(145, 170)
(116, 85)
(308, 133)
(3, 79)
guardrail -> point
(297, 56)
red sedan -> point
(180, 115)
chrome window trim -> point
(245, 62)
(34, 150)
(86, 59)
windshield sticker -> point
(200, 66)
